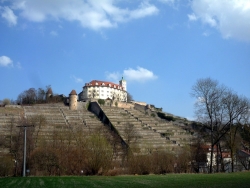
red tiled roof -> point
(246, 152)
(103, 83)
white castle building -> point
(104, 90)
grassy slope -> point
(240, 180)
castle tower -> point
(73, 100)
(49, 94)
(123, 84)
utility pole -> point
(24, 148)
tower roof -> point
(73, 92)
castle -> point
(99, 90)
(104, 90)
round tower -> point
(73, 100)
(123, 84)
(49, 94)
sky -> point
(160, 47)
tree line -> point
(223, 115)
(38, 96)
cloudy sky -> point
(161, 47)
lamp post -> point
(24, 148)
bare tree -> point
(28, 96)
(41, 95)
(236, 114)
(218, 108)
(99, 153)
(208, 94)
(130, 136)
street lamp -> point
(24, 147)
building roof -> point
(73, 92)
(103, 84)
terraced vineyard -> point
(59, 133)
(148, 133)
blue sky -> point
(161, 47)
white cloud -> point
(168, 1)
(77, 80)
(18, 65)
(192, 17)
(140, 74)
(144, 10)
(5, 61)
(115, 76)
(230, 17)
(54, 33)
(91, 14)
(206, 34)
(9, 15)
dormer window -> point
(109, 85)
(103, 84)
(96, 83)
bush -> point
(6, 166)
(163, 116)
(6, 102)
(139, 164)
(101, 101)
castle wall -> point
(140, 103)
(125, 105)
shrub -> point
(6, 102)
(163, 116)
(101, 101)
(139, 164)
(6, 166)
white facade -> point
(104, 90)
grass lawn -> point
(238, 180)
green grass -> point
(239, 180)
